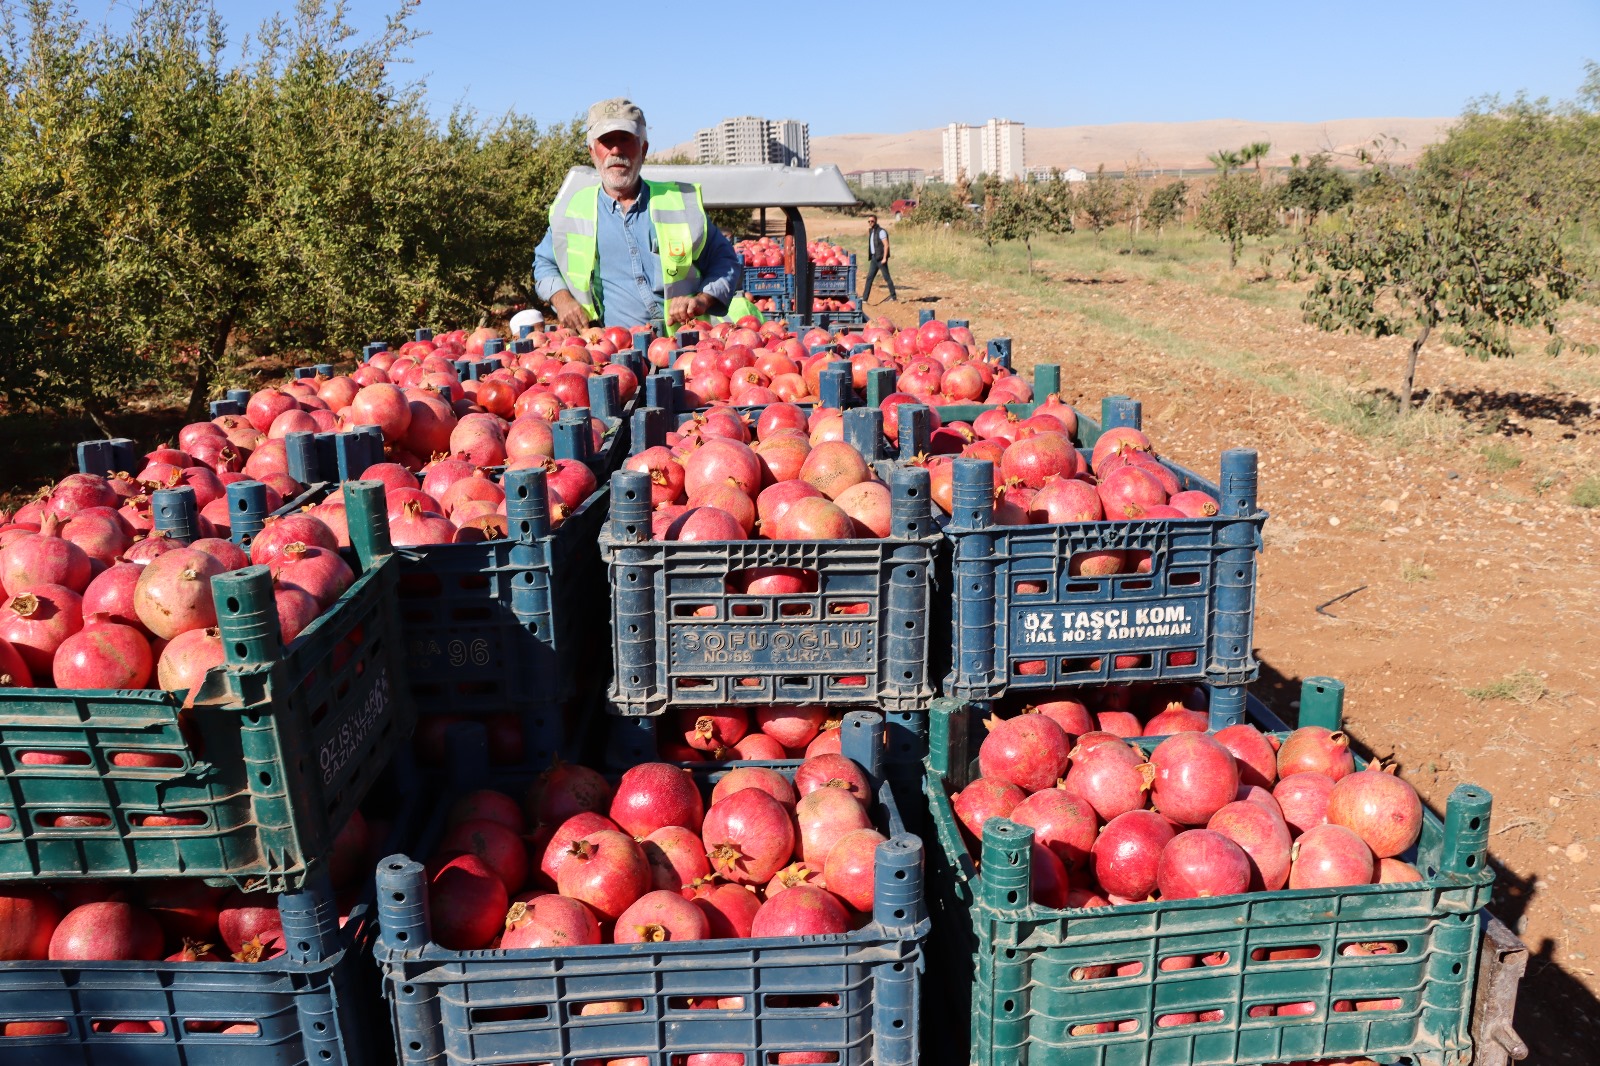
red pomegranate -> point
(173, 595)
(1263, 836)
(466, 903)
(801, 911)
(729, 909)
(1127, 853)
(1382, 809)
(1129, 492)
(1253, 751)
(652, 795)
(677, 857)
(764, 778)
(983, 799)
(1394, 872)
(824, 816)
(280, 532)
(607, 870)
(749, 835)
(1303, 799)
(661, 916)
(713, 730)
(185, 909)
(36, 621)
(810, 518)
(103, 654)
(1029, 750)
(832, 467)
(28, 919)
(108, 931)
(44, 558)
(1313, 749)
(1194, 778)
(549, 921)
(850, 870)
(835, 770)
(1111, 775)
(1330, 856)
(1200, 863)
(791, 726)
(499, 847)
(1061, 821)
(561, 838)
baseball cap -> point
(617, 113)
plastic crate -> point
(276, 748)
(1021, 620)
(768, 281)
(1020, 969)
(834, 280)
(681, 639)
(502, 627)
(853, 995)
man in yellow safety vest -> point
(644, 250)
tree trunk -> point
(1233, 252)
(1411, 370)
(1027, 242)
(209, 359)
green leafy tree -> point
(944, 205)
(1166, 202)
(1254, 152)
(1014, 213)
(1225, 161)
(1316, 188)
(1417, 254)
(1056, 202)
(1236, 206)
(1099, 201)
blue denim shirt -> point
(628, 290)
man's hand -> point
(681, 309)
(569, 312)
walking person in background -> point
(877, 259)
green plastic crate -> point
(1022, 970)
(274, 751)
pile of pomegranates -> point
(795, 478)
(89, 607)
(581, 861)
(174, 920)
(764, 252)
(764, 733)
(1193, 815)
(752, 364)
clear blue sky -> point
(884, 68)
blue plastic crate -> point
(681, 639)
(768, 281)
(1020, 620)
(855, 995)
(1025, 980)
(503, 627)
(834, 280)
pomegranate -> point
(466, 903)
(1303, 799)
(490, 804)
(729, 909)
(1127, 853)
(1176, 720)
(562, 837)
(1111, 775)
(319, 572)
(824, 816)
(185, 910)
(720, 462)
(1049, 883)
(173, 595)
(850, 869)
(564, 790)
(652, 795)
(1382, 809)
(111, 593)
(101, 534)
(801, 911)
(413, 527)
(832, 467)
(296, 611)
(1029, 750)
(499, 847)
(549, 921)
(1317, 750)
(36, 621)
(667, 474)
(1063, 822)
(867, 504)
(1130, 492)
(381, 405)
(226, 552)
(1394, 872)
(107, 931)
(758, 747)
(607, 870)
(1038, 459)
(1117, 441)
(14, 672)
(1263, 836)
(1194, 778)
(776, 499)
(44, 558)
(793, 727)
(1199, 863)
(706, 524)
(749, 835)
(811, 519)
(677, 857)
(1330, 856)
(280, 532)
(713, 731)
(266, 406)
(767, 780)
(28, 918)
(1257, 759)
(832, 769)
(983, 799)
(1194, 504)
(661, 916)
(78, 492)
(103, 654)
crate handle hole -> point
(1474, 822)
(266, 778)
(527, 1012)
(1286, 954)
(899, 875)
(1185, 577)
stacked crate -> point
(274, 752)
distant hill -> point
(1163, 145)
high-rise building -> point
(887, 176)
(789, 142)
(996, 147)
(1003, 149)
(963, 152)
(748, 140)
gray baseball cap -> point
(617, 113)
